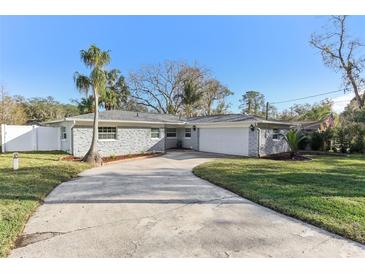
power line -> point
(312, 96)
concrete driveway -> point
(157, 208)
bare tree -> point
(161, 88)
(340, 52)
(214, 94)
(157, 87)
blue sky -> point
(271, 54)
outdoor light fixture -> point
(16, 161)
(252, 127)
(194, 128)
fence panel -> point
(48, 138)
(29, 138)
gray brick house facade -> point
(123, 133)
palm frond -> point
(95, 57)
(293, 138)
(82, 82)
(98, 79)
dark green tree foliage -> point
(307, 112)
(46, 109)
(316, 141)
(190, 97)
(116, 93)
(342, 138)
(253, 103)
(350, 132)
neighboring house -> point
(328, 122)
(125, 132)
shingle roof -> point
(121, 115)
(130, 116)
(222, 118)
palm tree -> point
(85, 105)
(116, 93)
(190, 97)
(95, 59)
(293, 137)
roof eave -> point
(127, 121)
(276, 122)
(55, 121)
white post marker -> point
(16, 161)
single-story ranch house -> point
(126, 132)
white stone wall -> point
(190, 143)
(269, 146)
(66, 144)
(253, 148)
(129, 141)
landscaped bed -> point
(115, 158)
(328, 191)
(23, 190)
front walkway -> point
(157, 208)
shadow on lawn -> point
(33, 183)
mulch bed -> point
(129, 156)
(116, 158)
(286, 157)
(70, 158)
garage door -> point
(224, 140)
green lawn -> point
(23, 190)
(328, 191)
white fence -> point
(29, 138)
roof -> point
(148, 117)
(222, 118)
(121, 115)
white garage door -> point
(232, 141)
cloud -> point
(340, 102)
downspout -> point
(72, 138)
(258, 140)
(164, 139)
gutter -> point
(258, 141)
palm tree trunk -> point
(92, 156)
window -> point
(107, 133)
(188, 133)
(155, 133)
(63, 133)
(171, 132)
(276, 134)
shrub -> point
(327, 137)
(342, 138)
(358, 144)
(304, 142)
(293, 137)
(316, 141)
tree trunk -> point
(92, 156)
(359, 100)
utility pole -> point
(267, 111)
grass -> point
(328, 191)
(23, 190)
